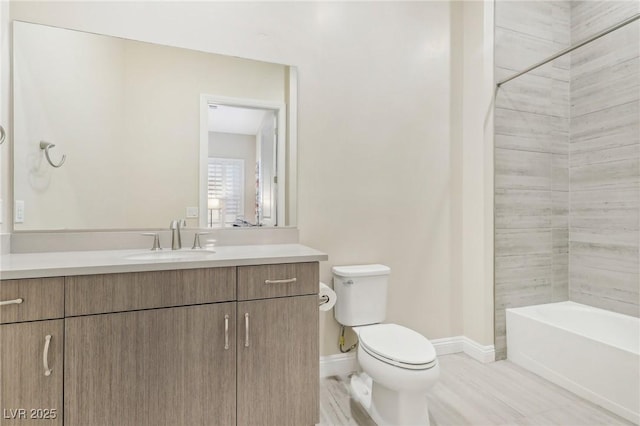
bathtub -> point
(592, 352)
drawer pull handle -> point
(246, 330)
(45, 355)
(287, 281)
(11, 302)
(226, 332)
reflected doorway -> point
(240, 182)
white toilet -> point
(398, 364)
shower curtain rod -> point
(572, 48)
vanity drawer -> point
(94, 294)
(288, 279)
(42, 298)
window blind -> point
(226, 183)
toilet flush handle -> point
(348, 282)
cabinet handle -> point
(287, 281)
(246, 330)
(45, 355)
(12, 302)
(226, 332)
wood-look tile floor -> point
(471, 393)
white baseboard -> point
(341, 364)
(457, 344)
(338, 364)
(448, 345)
(479, 352)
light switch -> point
(192, 212)
(19, 211)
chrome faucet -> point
(176, 241)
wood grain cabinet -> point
(94, 294)
(287, 279)
(171, 366)
(31, 373)
(31, 299)
(212, 346)
(278, 362)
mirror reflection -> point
(241, 172)
(148, 134)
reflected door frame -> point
(281, 113)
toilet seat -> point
(398, 346)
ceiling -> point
(238, 120)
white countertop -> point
(52, 264)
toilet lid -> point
(397, 343)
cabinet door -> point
(278, 362)
(155, 367)
(28, 395)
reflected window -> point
(225, 190)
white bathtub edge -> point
(526, 312)
(530, 364)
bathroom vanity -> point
(133, 337)
(95, 338)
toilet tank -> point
(361, 294)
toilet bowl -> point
(402, 367)
(397, 365)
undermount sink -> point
(184, 254)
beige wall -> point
(5, 149)
(56, 105)
(379, 168)
(228, 145)
(477, 171)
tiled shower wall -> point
(531, 158)
(566, 159)
(605, 159)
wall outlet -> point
(19, 211)
(192, 212)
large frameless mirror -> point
(111, 133)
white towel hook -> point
(47, 146)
